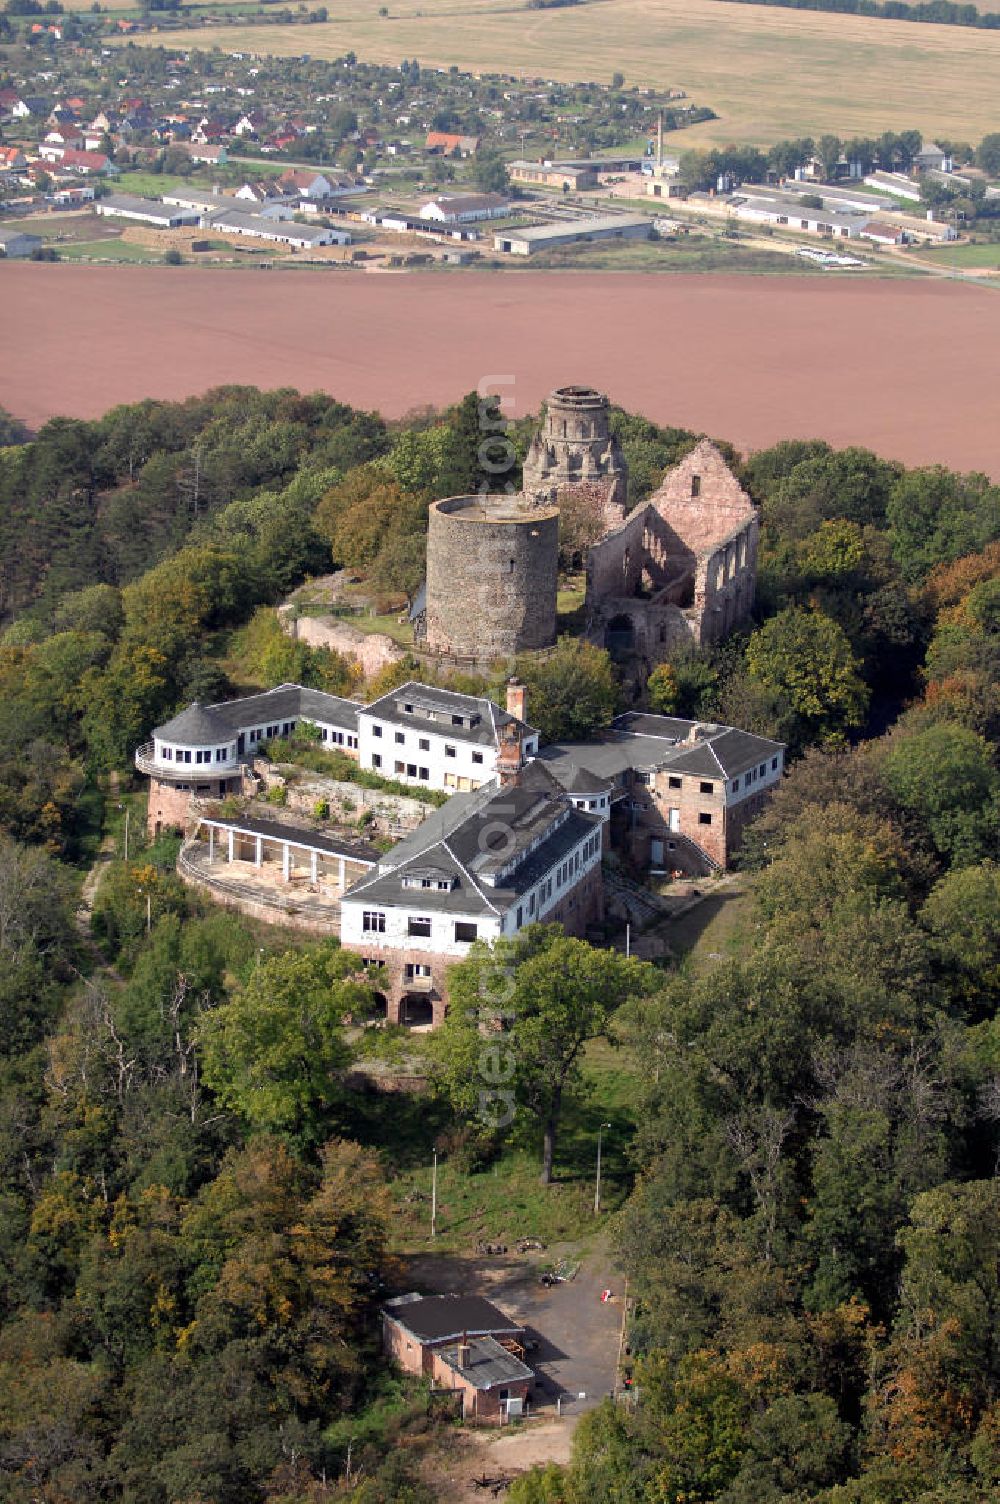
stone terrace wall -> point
(372, 650)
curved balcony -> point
(183, 772)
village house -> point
(447, 144)
(461, 1343)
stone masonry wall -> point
(491, 584)
(373, 651)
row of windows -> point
(340, 738)
(456, 720)
(182, 754)
(754, 774)
(418, 928)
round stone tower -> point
(575, 447)
(492, 565)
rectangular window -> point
(419, 925)
(706, 788)
(373, 922)
(520, 917)
(411, 770)
(465, 933)
(458, 720)
(400, 738)
(774, 764)
(531, 904)
(477, 757)
(376, 760)
(704, 819)
(425, 774)
(186, 756)
(400, 767)
(763, 769)
(449, 751)
(673, 782)
(352, 741)
(376, 731)
(168, 754)
(736, 785)
(423, 744)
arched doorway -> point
(619, 635)
(416, 1011)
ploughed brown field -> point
(909, 369)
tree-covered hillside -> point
(198, 1201)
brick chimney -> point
(517, 699)
(510, 756)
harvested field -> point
(908, 368)
(768, 73)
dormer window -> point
(696, 485)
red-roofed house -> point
(12, 159)
(452, 146)
(87, 163)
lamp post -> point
(597, 1187)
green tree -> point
(519, 1016)
(962, 913)
(571, 693)
(944, 777)
(275, 1051)
(663, 690)
(806, 658)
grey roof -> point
(131, 203)
(495, 846)
(202, 725)
(485, 1364)
(598, 224)
(648, 742)
(436, 1318)
(434, 708)
(299, 835)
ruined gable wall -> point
(615, 565)
(706, 519)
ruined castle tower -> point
(575, 448)
(492, 568)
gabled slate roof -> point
(495, 846)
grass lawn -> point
(768, 73)
(711, 931)
(109, 250)
(506, 1200)
(154, 184)
(985, 257)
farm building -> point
(17, 243)
(896, 183)
(465, 208)
(793, 216)
(282, 232)
(552, 175)
(145, 211)
(567, 232)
